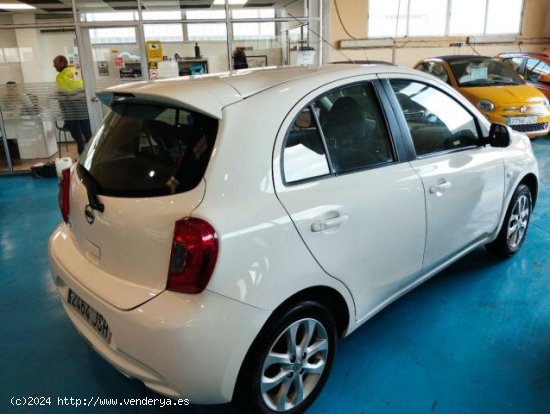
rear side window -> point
(535, 68)
(346, 122)
(514, 63)
(146, 150)
(355, 130)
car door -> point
(463, 180)
(359, 210)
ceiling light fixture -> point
(231, 2)
(16, 6)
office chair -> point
(62, 130)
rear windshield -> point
(144, 150)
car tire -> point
(289, 361)
(515, 224)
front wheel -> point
(514, 228)
(289, 362)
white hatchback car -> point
(220, 233)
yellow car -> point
(498, 92)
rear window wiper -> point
(92, 188)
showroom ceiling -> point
(64, 6)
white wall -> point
(51, 45)
(10, 65)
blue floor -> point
(475, 339)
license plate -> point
(90, 315)
(523, 120)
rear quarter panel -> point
(262, 259)
(519, 161)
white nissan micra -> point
(221, 233)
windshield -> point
(144, 150)
(484, 72)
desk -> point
(35, 135)
(187, 66)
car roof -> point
(454, 58)
(209, 94)
(520, 54)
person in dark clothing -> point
(239, 59)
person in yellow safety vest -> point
(72, 100)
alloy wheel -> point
(519, 219)
(294, 365)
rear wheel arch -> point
(532, 183)
(326, 296)
(322, 303)
(515, 223)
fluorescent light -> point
(361, 43)
(16, 6)
(231, 2)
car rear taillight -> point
(194, 254)
(63, 196)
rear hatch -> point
(142, 172)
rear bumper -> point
(182, 346)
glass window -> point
(354, 129)
(504, 16)
(514, 63)
(534, 68)
(467, 17)
(147, 150)
(435, 69)
(265, 13)
(304, 154)
(257, 30)
(171, 32)
(109, 16)
(390, 18)
(435, 120)
(161, 15)
(206, 31)
(114, 35)
(387, 18)
(427, 18)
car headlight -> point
(485, 105)
(545, 102)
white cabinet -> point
(35, 136)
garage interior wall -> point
(534, 36)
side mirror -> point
(499, 136)
(544, 78)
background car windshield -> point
(484, 72)
(146, 150)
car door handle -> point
(329, 223)
(441, 187)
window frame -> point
(404, 127)
(390, 123)
(447, 33)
